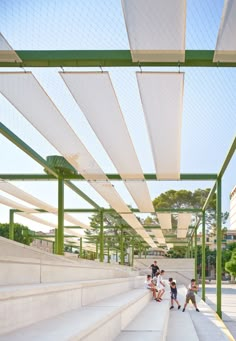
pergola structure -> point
(161, 95)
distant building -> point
(232, 212)
(229, 237)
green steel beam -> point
(29, 151)
(81, 247)
(122, 256)
(11, 224)
(203, 256)
(101, 237)
(60, 230)
(106, 58)
(210, 195)
(24, 147)
(195, 253)
(228, 158)
(113, 177)
(110, 210)
(218, 248)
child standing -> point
(160, 285)
(173, 294)
(190, 294)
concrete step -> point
(150, 324)
(98, 321)
(26, 304)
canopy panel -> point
(162, 99)
(165, 220)
(95, 95)
(225, 50)
(22, 195)
(7, 54)
(156, 29)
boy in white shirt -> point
(160, 285)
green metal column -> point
(188, 251)
(60, 249)
(145, 252)
(97, 249)
(81, 247)
(132, 257)
(108, 252)
(191, 247)
(203, 256)
(140, 250)
(101, 235)
(195, 253)
(121, 246)
(218, 243)
(11, 225)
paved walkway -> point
(228, 304)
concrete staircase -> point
(47, 297)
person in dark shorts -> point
(173, 294)
(154, 267)
(191, 294)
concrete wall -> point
(181, 269)
(21, 264)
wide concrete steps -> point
(101, 320)
(149, 325)
(22, 305)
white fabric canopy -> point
(102, 110)
(184, 220)
(22, 195)
(162, 99)
(182, 233)
(7, 54)
(156, 29)
(225, 50)
(165, 220)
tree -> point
(231, 265)
(22, 234)
(177, 252)
(187, 199)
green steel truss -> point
(116, 58)
(107, 58)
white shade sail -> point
(7, 54)
(102, 110)
(27, 212)
(25, 93)
(156, 29)
(225, 50)
(165, 220)
(184, 221)
(22, 195)
(13, 204)
(37, 219)
(157, 233)
(162, 100)
(182, 233)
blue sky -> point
(209, 115)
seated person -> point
(150, 285)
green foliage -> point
(187, 199)
(231, 265)
(22, 234)
(177, 252)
